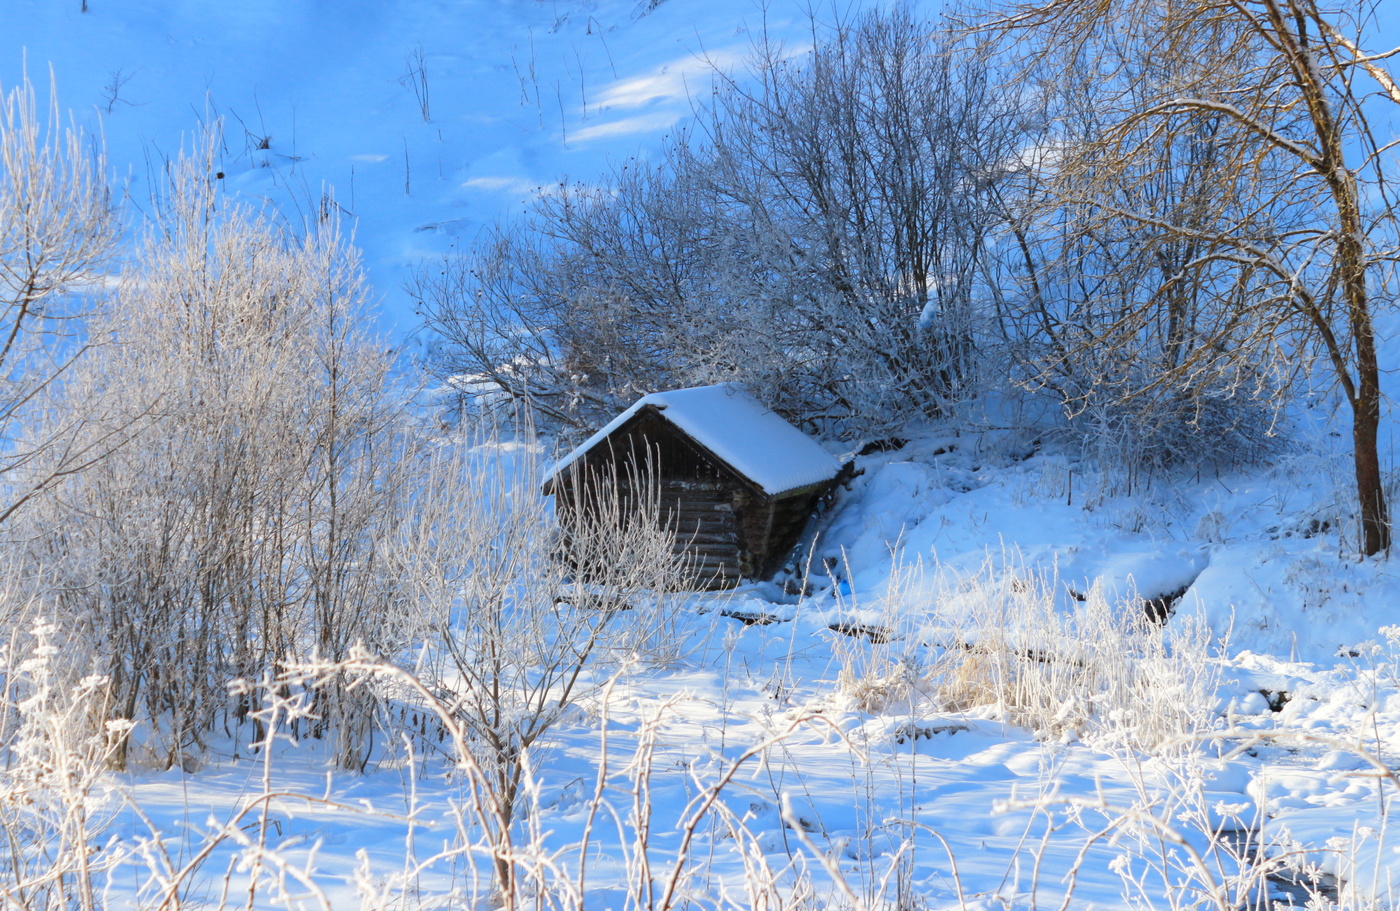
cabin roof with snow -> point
(737, 430)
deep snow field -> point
(876, 757)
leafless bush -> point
(1218, 425)
(516, 639)
(239, 529)
(813, 236)
(1132, 326)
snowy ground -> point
(877, 764)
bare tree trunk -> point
(1370, 488)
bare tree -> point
(1300, 242)
(59, 229)
(872, 159)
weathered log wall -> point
(728, 528)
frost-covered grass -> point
(1059, 663)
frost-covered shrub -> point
(255, 463)
(56, 750)
(1215, 425)
(514, 638)
(815, 237)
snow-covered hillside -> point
(425, 119)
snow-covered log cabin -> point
(736, 481)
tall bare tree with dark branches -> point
(1299, 247)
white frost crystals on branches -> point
(239, 527)
(814, 235)
(59, 232)
(54, 791)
